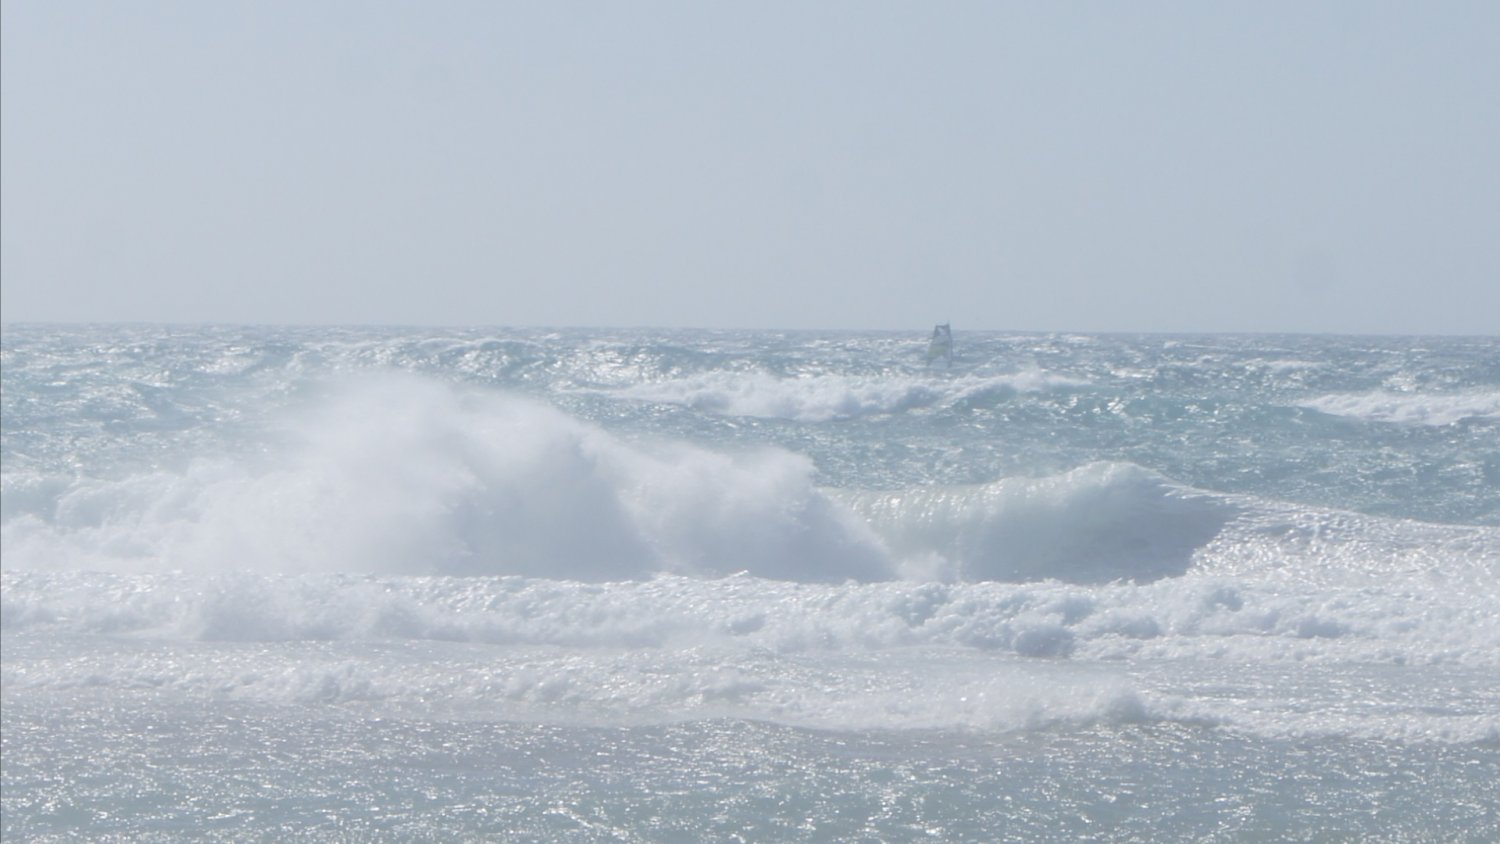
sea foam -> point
(1434, 409)
(821, 398)
(399, 474)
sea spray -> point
(401, 474)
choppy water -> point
(673, 585)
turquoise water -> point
(680, 585)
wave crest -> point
(1097, 523)
(400, 475)
(1435, 410)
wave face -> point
(1098, 523)
(807, 552)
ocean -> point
(420, 584)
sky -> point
(1278, 166)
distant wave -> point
(1435, 409)
(820, 398)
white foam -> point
(820, 398)
(1247, 657)
(406, 475)
(1434, 409)
(909, 690)
(1200, 617)
(1283, 365)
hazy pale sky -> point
(1088, 166)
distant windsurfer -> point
(941, 345)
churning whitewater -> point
(688, 585)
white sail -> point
(941, 346)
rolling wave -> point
(1431, 409)
(400, 475)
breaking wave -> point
(400, 475)
(1098, 523)
(408, 476)
(1430, 409)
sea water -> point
(438, 585)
